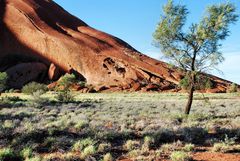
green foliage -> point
(81, 124)
(185, 83)
(3, 81)
(196, 49)
(88, 151)
(65, 96)
(26, 153)
(108, 157)
(131, 145)
(10, 101)
(180, 156)
(37, 99)
(189, 147)
(104, 147)
(221, 147)
(32, 87)
(7, 154)
(233, 88)
(202, 82)
(82, 144)
(67, 80)
(227, 145)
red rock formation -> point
(21, 74)
(43, 31)
(54, 73)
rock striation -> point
(42, 32)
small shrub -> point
(81, 124)
(189, 147)
(67, 80)
(134, 153)
(108, 157)
(166, 148)
(88, 151)
(131, 145)
(148, 141)
(104, 147)
(65, 96)
(7, 154)
(209, 84)
(10, 101)
(224, 146)
(82, 144)
(8, 124)
(32, 87)
(26, 153)
(202, 82)
(37, 99)
(229, 141)
(184, 83)
(180, 156)
(221, 147)
(233, 88)
(70, 157)
(3, 81)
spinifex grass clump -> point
(32, 87)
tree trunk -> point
(190, 93)
(190, 100)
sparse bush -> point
(189, 147)
(7, 154)
(67, 80)
(27, 153)
(202, 82)
(8, 124)
(180, 156)
(3, 81)
(134, 153)
(81, 124)
(184, 83)
(82, 144)
(104, 147)
(233, 88)
(108, 157)
(224, 146)
(88, 151)
(37, 100)
(65, 96)
(220, 147)
(209, 84)
(32, 87)
(131, 145)
(166, 148)
(10, 101)
(148, 141)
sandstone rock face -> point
(24, 73)
(40, 30)
(54, 73)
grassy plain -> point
(111, 126)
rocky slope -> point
(40, 39)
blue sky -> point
(134, 21)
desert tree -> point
(195, 49)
